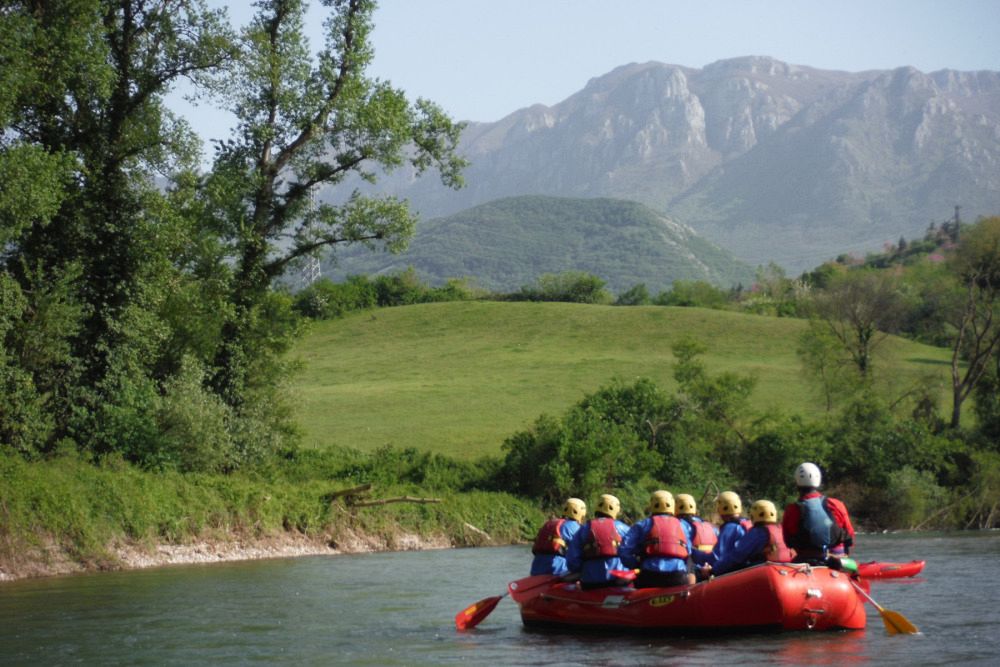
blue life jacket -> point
(816, 527)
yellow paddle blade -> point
(896, 623)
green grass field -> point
(458, 378)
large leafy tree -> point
(84, 133)
(305, 123)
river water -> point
(399, 609)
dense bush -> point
(325, 299)
(637, 295)
(626, 432)
(571, 286)
(892, 470)
(695, 293)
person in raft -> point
(764, 542)
(729, 507)
(659, 546)
(593, 551)
(816, 526)
(702, 533)
(553, 537)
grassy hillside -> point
(458, 378)
(508, 243)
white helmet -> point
(808, 475)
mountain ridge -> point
(770, 160)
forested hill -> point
(506, 244)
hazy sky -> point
(483, 59)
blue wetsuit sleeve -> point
(741, 552)
(628, 551)
(568, 531)
(729, 534)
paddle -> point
(895, 622)
(472, 615)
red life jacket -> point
(703, 536)
(666, 538)
(549, 539)
(603, 540)
(776, 550)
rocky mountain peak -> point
(773, 161)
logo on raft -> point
(662, 600)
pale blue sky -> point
(483, 59)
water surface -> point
(399, 608)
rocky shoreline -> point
(52, 560)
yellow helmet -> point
(575, 509)
(686, 504)
(609, 505)
(763, 511)
(728, 504)
(661, 502)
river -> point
(398, 609)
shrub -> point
(193, 424)
(912, 498)
(325, 299)
(697, 294)
(571, 286)
(636, 295)
(767, 461)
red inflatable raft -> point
(882, 570)
(764, 597)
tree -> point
(860, 309)
(84, 131)
(824, 358)
(976, 266)
(302, 125)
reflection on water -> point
(398, 609)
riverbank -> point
(66, 515)
(49, 559)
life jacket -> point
(603, 540)
(703, 537)
(549, 539)
(776, 550)
(666, 538)
(817, 529)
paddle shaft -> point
(868, 597)
(893, 620)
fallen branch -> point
(945, 510)
(347, 494)
(400, 499)
(478, 531)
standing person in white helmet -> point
(816, 526)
